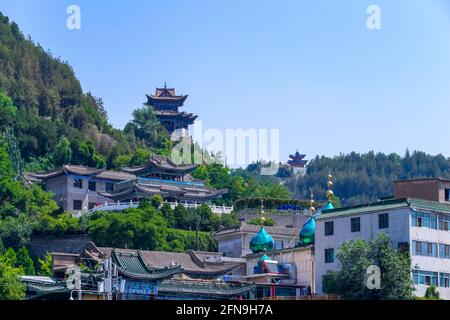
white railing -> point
(120, 206)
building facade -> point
(79, 188)
(420, 226)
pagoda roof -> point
(210, 289)
(182, 191)
(163, 164)
(176, 114)
(81, 171)
(132, 265)
(192, 263)
(166, 95)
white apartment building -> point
(420, 226)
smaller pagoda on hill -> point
(166, 105)
(297, 163)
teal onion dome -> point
(307, 233)
(328, 206)
(262, 242)
(260, 262)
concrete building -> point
(235, 241)
(433, 189)
(420, 226)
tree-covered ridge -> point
(361, 178)
(49, 113)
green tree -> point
(63, 152)
(356, 256)
(24, 261)
(11, 287)
(45, 266)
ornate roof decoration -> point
(210, 289)
(81, 171)
(160, 163)
(165, 95)
(297, 160)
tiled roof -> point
(193, 263)
(131, 265)
(389, 204)
(163, 163)
(211, 289)
(82, 171)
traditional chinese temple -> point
(162, 176)
(78, 188)
(297, 163)
(166, 104)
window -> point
(355, 224)
(278, 244)
(109, 187)
(427, 249)
(329, 255)
(329, 228)
(444, 280)
(92, 205)
(444, 222)
(403, 247)
(77, 204)
(444, 251)
(425, 277)
(78, 183)
(447, 194)
(424, 219)
(383, 221)
(92, 186)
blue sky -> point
(310, 68)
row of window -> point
(430, 278)
(355, 224)
(430, 249)
(92, 185)
(430, 220)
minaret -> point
(329, 193)
(308, 231)
(262, 242)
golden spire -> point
(329, 192)
(261, 213)
(312, 209)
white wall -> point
(398, 231)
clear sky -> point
(309, 68)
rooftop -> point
(388, 204)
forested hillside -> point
(361, 178)
(52, 114)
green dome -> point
(328, 206)
(308, 231)
(262, 242)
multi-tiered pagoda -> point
(166, 104)
(298, 163)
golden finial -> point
(329, 192)
(312, 209)
(261, 213)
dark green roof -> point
(389, 204)
(132, 265)
(210, 289)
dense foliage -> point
(53, 120)
(362, 178)
(355, 256)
